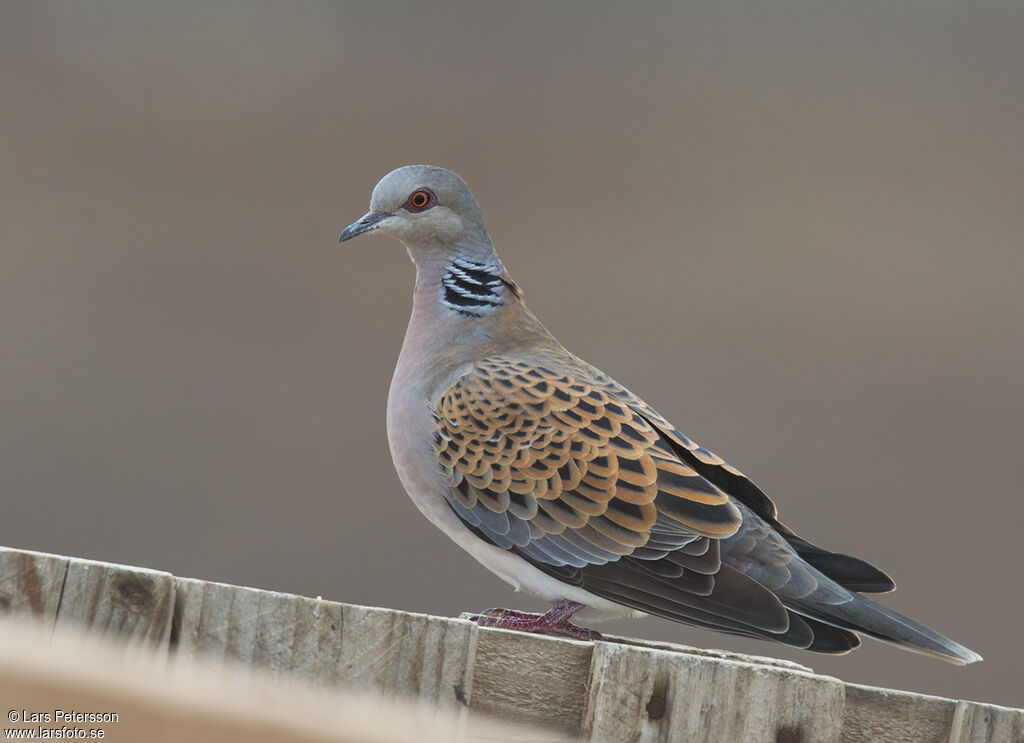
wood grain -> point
(135, 605)
(531, 679)
(416, 656)
(218, 625)
(31, 584)
(886, 716)
(657, 695)
(980, 723)
(542, 688)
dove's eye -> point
(420, 200)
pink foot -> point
(555, 621)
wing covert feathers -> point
(587, 475)
(559, 463)
(849, 572)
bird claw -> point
(553, 622)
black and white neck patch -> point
(472, 288)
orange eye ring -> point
(420, 200)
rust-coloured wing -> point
(549, 463)
(546, 464)
(850, 572)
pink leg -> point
(555, 621)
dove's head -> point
(424, 207)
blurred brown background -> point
(796, 230)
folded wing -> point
(543, 462)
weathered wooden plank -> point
(886, 716)
(549, 688)
(428, 659)
(655, 695)
(44, 669)
(416, 656)
(31, 584)
(133, 604)
(531, 679)
(986, 723)
(216, 624)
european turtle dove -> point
(570, 487)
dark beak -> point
(365, 223)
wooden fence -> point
(551, 688)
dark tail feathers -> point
(882, 623)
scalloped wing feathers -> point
(535, 455)
(570, 470)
